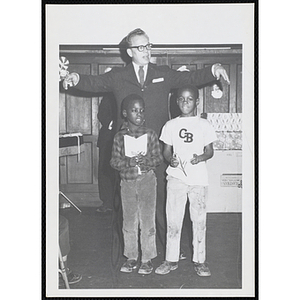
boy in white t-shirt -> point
(188, 144)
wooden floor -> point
(91, 248)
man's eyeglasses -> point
(141, 48)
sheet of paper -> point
(134, 146)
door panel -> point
(217, 105)
(79, 114)
(62, 113)
(76, 116)
(80, 171)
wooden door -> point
(78, 114)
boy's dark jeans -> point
(139, 205)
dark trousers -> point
(106, 175)
(138, 204)
(161, 230)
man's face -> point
(140, 58)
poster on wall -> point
(175, 217)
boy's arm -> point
(169, 157)
(208, 153)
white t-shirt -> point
(188, 136)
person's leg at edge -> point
(106, 179)
(64, 244)
(161, 227)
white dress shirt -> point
(136, 70)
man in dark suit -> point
(158, 80)
(153, 83)
(106, 174)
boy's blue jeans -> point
(177, 193)
(139, 205)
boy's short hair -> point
(191, 87)
(130, 98)
(133, 33)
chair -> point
(68, 144)
(62, 270)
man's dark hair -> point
(133, 33)
(130, 98)
(188, 87)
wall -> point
(164, 23)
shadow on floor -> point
(91, 248)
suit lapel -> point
(150, 74)
(131, 74)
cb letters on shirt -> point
(188, 136)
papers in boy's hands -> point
(134, 146)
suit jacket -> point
(107, 116)
(159, 81)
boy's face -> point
(187, 103)
(140, 58)
(135, 113)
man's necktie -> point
(141, 75)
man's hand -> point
(183, 69)
(218, 71)
(70, 80)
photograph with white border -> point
(185, 37)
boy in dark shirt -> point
(136, 154)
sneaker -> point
(103, 209)
(146, 268)
(166, 267)
(72, 278)
(129, 266)
(202, 269)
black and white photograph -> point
(150, 150)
